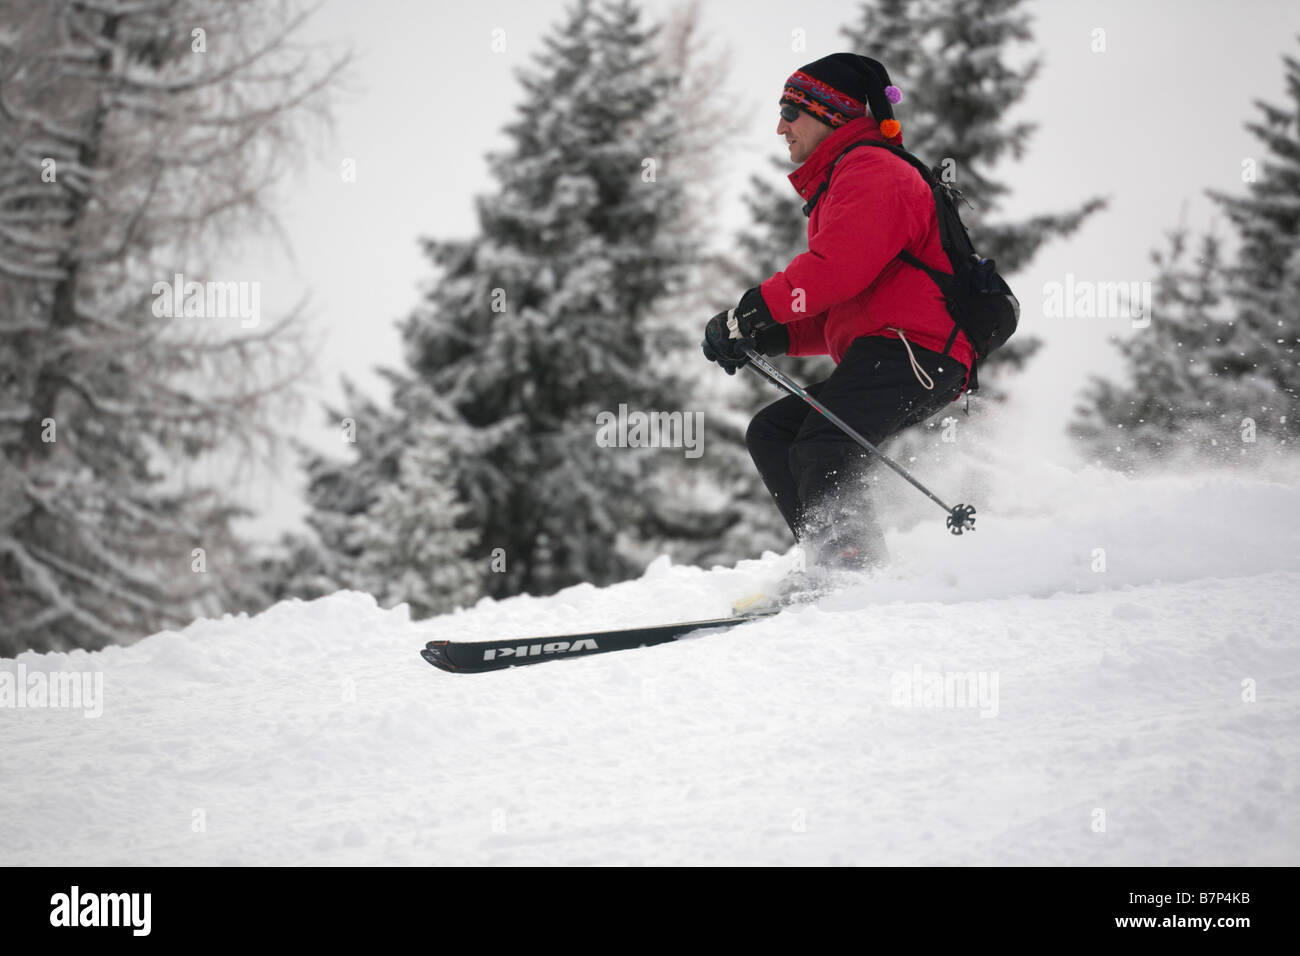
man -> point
(899, 356)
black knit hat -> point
(837, 89)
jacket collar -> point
(809, 176)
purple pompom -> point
(893, 94)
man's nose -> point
(781, 126)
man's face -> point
(803, 135)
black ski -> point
(472, 657)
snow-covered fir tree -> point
(1262, 380)
(339, 491)
(1216, 371)
(1170, 399)
(130, 143)
(413, 543)
(542, 321)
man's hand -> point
(748, 324)
(725, 341)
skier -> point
(898, 355)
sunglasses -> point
(789, 112)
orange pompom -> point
(890, 128)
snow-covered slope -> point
(1147, 713)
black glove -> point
(720, 347)
(774, 340)
(755, 320)
(752, 321)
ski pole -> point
(960, 517)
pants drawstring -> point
(920, 373)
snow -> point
(1148, 713)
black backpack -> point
(979, 300)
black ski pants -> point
(817, 474)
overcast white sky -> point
(1150, 123)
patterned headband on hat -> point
(824, 102)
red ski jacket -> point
(850, 280)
